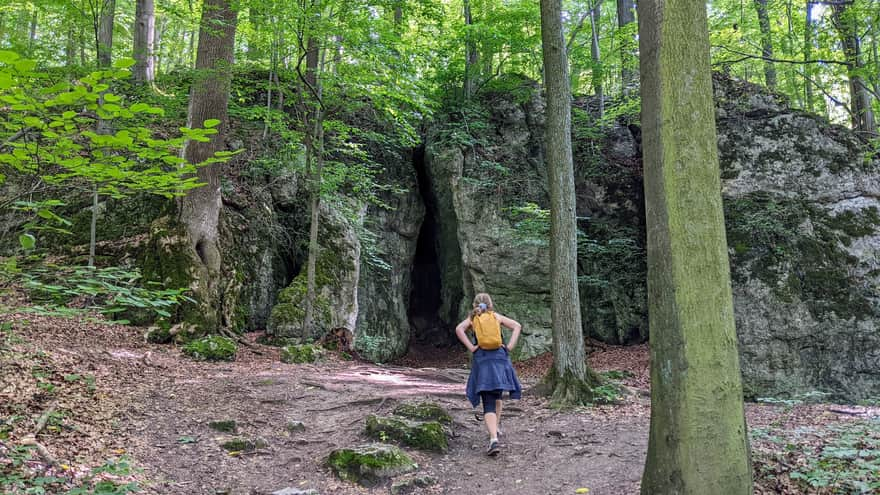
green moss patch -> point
(211, 348)
(412, 485)
(303, 353)
(225, 426)
(423, 436)
(424, 411)
(370, 464)
(243, 444)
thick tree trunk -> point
(105, 33)
(472, 56)
(766, 43)
(808, 55)
(209, 97)
(144, 36)
(860, 98)
(698, 443)
(596, 55)
(629, 74)
(569, 377)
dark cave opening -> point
(425, 298)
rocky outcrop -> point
(802, 205)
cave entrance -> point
(425, 298)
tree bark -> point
(808, 55)
(860, 98)
(105, 33)
(314, 141)
(32, 36)
(209, 97)
(596, 55)
(698, 443)
(144, 37)
(766, 43)
(157, 45)
(472, 56)
(569, 377)
(626, 15)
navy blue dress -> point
(490, 371)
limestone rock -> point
(369, 464)
(419, 435)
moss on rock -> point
(211, 348)
(422, 436)
(243, 444)
(424, 411)
(298, 354)
(225, 426)
(369, 464)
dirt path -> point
(544, 451)
(111, 394)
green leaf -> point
(212, 123)
(27, 241)
(139, 107)
(7, 57)
(124, 63)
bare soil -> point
(153, 404)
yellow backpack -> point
(488, 331)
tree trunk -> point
(596, 56)
(569, 376)
(105, 33)
(144, 36)
(808, 55)
(626, 15)
(472, 56)
(93, 224)
(860, 99)
(209, 97)
(157, 45)
(766, 43)
(698, 443)
(314, 154)
(32, 36)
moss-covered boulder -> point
(424, 411)
(211, 348)
(412, 485)
(300, 353)
(370, 464)
(423, 436)
(336, 278)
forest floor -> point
(86, 391)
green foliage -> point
(68, 291)
(371, 345)
(103, 480)
(301, 353)
(211, 348)
(531, 224)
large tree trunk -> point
(698, 443)
(766, 43)
(209, 97)
(626, 15)
(105, 32)
(569, 376)
(596, 55)
(860, 98)
(144, 36)
(808, 55)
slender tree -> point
(766, 43)
(595, 53)
(209, 97)
(104, 30)
(144, 36)
(698, 443)
(808, 54)
(570, 377)
(472, 56)
(846, 22)
(626, 15)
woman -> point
(492, 374)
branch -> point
(747, 56)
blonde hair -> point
(482, 298)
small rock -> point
(370, 464)
(225, 426)
(243, 444)
(295, 427)
(555, 433)
(411, 485)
